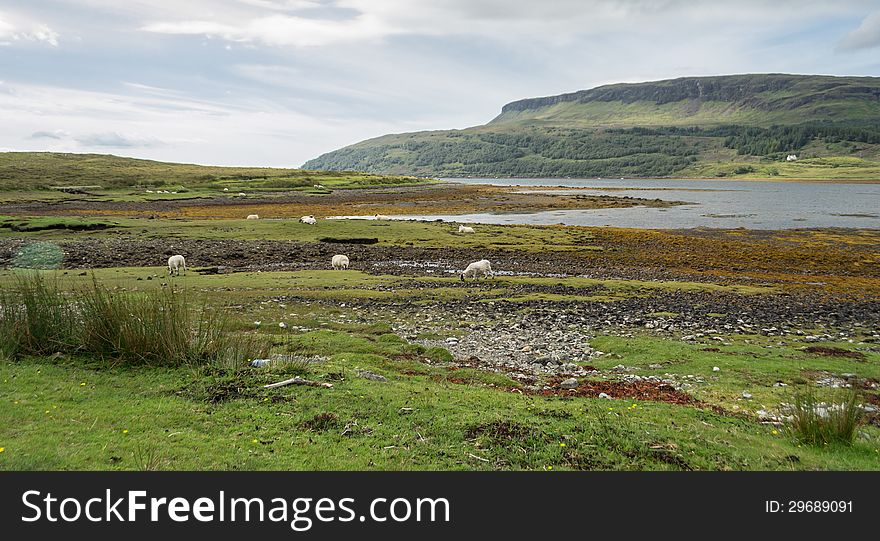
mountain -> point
(734, 125)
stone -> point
(366, 374)
(570, 383)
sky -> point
(278, 82)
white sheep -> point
(253, 217)
(339, 262)
(381, 217)
(465, 229)
(308, 220)
(242, 194)
(477, 269)
(175, 262)
(225, 189)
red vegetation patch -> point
(834, 352)
(636, 390)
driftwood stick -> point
(298, 381)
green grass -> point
(21, 171)
(112, 418)
(425, 416)
(745, 363)
(389, 233)
(353, 285)
(156, 328)
(821, 423)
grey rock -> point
(366, 374)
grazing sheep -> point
(477, 269)
(149, 191)
(465, 229)
(225, 189)
(381, 217)
(175, 262)
(253, 217)
(308, 220)
(242, 194)
(339, 262)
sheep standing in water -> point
(477, 269)
(465, 229)
(339, 262)
(175, 263)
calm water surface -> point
(711, 203)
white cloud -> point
(282, 30)
(282, 81)
(17, 29)
(866, 36)
(169, 128)
(558, 21)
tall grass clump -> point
(156, 328)
(816, 422)
(36, 319)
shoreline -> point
(718, 179)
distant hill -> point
(42, 170)
(735, 125)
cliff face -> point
(764, 92)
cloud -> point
(281, 81)
(17, 29)
(56, 134)
(117, 140)
(559, 21)
(240, 131)
(866, 36)
(105, 139)
(283, 30)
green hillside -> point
(728, 126)
(45, 170)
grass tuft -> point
(821, 423)
(155, 328)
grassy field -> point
(102, 174)
(78, 414)
(426, 415)
(700, 339)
